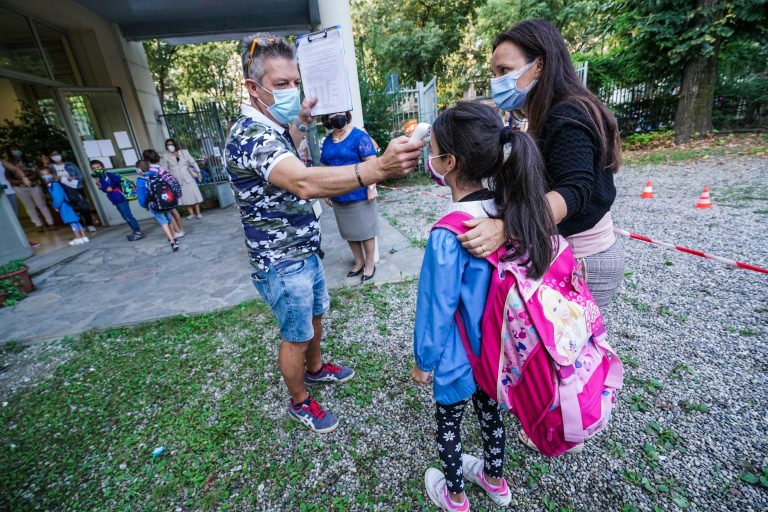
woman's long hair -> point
(559, 81)
(511, 163)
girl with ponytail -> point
(470, 147)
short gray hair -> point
(266, 46)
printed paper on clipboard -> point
(323, 73)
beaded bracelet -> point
(357, 174)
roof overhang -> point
(188, 21)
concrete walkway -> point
(112, 282)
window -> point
(18, 48)
(57, 53)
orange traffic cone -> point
(704, 201)
(647, 191)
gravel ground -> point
(690, 422)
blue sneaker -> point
(329, 373)
(312, 415)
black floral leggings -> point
(449, 438)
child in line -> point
(164, 218)
(61, 204)
(469, 145)
(111, 184)
(152, 159)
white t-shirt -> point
(60, 170)
(4, 181)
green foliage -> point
(756, 477)
(648, 140)
(32, 133)
(12, 266)
(196, 72)
(10, 290)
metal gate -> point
(418, 104)
(202, 133)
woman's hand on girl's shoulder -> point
(485, 237)
(421, 377)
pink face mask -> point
(436, 176)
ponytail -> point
(511, 163)
(519, 189)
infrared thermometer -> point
(421, 132)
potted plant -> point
(10, 293)
(17, 272)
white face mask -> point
(56, 158)
(170, 148)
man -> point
(273, 188)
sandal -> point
(355, 273)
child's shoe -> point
(199, 216)
(85, 240)
(175, 246)
(91, 229)
(179, 234)
(329, 373)
(135, 236)
(312, 415)
(434, 480)
(76, 241)
(190, 216)
(472, 467)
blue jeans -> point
(295, 293)
(125, 212)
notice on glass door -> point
(123, 140)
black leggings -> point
(449, 438)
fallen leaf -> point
(210, 480)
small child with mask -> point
(111, 184)
(61, 204)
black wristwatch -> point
(301, 127)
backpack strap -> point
(454, 222)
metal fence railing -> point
(203, 134)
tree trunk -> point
(697, 91)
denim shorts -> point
(163, 217)
(295, 293)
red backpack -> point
(543, 350)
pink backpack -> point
(543, 351)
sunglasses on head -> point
(258, 41)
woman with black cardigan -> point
(579, 140)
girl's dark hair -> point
(96, 162)
(474, 134)
(558, 82)
(142, 164)
(151, 156)
(326, 119)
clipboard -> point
(323, 70)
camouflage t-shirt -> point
(279, 227)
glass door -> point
(99, 119)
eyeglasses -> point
(258, 41)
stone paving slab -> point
(112, 282)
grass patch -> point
(207, 389)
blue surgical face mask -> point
(17, 153)
(287, 104)
(47, 178)
(504, 89)
(436, 176)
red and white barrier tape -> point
(633, 236)
(726, 261)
